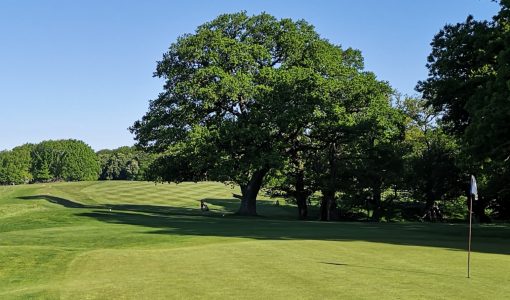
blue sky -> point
(83, 69)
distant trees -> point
(15, 165)
(64, 160)
(72, 160)
(431, 172)
(124, 163)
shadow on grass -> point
(157, 209)
(384, 269)
(57, 200)
(189, 221)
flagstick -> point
(469, 239)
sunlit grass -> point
(111, 240)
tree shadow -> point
(265, 209)
(57, 200)
(139, 208)
(189, 221)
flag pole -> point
(473, 193)
(469, 238)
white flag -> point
(474, 189)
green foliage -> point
(124, 163)
(468, 83)
(357, 146)
(245, 95)
(455, 209)
(15, 165)
(71, 160)
(213, 104)
(458, 66)
(68, 160)
(431, 171)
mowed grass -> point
(137, 240)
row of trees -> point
(16, 165)
(71, 160)
(61, 160)
(124, 163)
(265, 103)
(261, 102)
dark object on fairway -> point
(333, 263)
(203, 206)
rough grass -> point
(117, 240)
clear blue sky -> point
(83, 69)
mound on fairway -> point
(111, 240)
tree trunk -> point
(301, 195)
(323, 214)
(377, 211)
(328, 210)
(367, 204)
(302, 206)
(333, 211)
(429, 212)
(250, 191)
(430, 201)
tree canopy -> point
(15, 165)
(268, 104)
(124, 163)
(59, 160)
(468, 84)
(243, 93)
(68, 160)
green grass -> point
(62, 241)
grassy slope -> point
(62, 241)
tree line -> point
(266, 103)
(71, 160)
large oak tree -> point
(241, 95)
